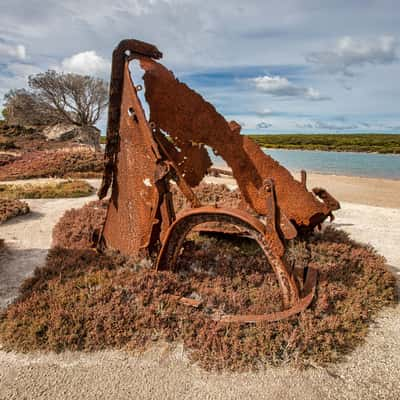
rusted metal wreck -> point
(142, 156)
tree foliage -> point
(57, 97)
(26, 108)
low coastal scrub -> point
(62, 163)
(77, 228)
(7, 144)
(12, 208)
(368, 143)
(82, 300)
(6, 158)
(67, 189)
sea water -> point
(337, 163)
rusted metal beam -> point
(125, 50)
(187, 117)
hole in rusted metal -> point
(137, 77)
(132, 114)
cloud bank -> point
(279, 86)
(86, 63)
(350, 52)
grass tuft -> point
(51, 190)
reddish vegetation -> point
(77, 227)
(208, 193)
(7, 158)
(12, 208)
(54, 163)
(82, 300)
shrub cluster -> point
(12, 208)
(61, 163)
(6, 158)
(82, 300)
(77, 228)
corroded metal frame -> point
(140, 161)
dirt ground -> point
(371, 372)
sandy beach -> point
(370, 213)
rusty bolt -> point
(268, 186)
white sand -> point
(371, 372)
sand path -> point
(371, 372)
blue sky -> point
(273, 66)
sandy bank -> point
(352, 189)
(371, 372)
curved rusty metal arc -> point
(187, 220)
(301, 305)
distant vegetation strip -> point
(362, 143)
(51, 190)
(368, 143)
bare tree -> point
(57, 97)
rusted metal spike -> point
(304, 178)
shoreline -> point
(332, 151)
(377, 192)
(297, 171)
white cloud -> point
(326, 125)
(332, 126)
(264, 112)
(86, 63)
(8, 51)
(307, 125)
(350, 52)
(276, 85)
(264, 125)
(281, 87)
